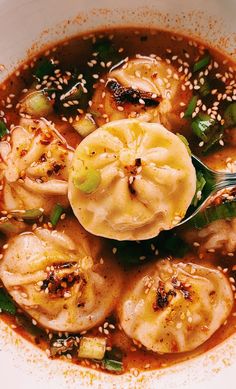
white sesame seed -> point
(141, 101)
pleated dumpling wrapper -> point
(129, 180)
(145, 88)
(34, 166)
(59, 279)
(172, 307)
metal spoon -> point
(215, 181)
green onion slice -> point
(92, 348)
(7, 227)
(184, 140)
(230, 115)
(226, 210)
(6, 303)
(112, 365)
(106, 51)
(202, 63)
(36, 104)
(87, 180)
(28, 214)
(3, 129)
(56, 214)
(191, 107)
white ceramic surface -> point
(25, 27)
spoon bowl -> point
(215, 181)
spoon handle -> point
(224, 180)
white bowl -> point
(26, 26)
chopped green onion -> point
(191, 107)
(73, 93)
(226, 210)
(45, 68)
(87, 180)
(112, 365)
(85, 125)
(56, 214)
(201, 182)
(201, 125)
(3, 129)
(6, 303)
(230, 115)
(92, 348)
(36, 104)
(8, 227)
(205, 89)
(184, 140)
(28, 214)
(202, 63)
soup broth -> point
(77, 86)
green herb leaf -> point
(202, 63)
(56, 214)
(172, 244)
(6, 303)
(191, 107)
(226, 210)
(205, 128)
(112, 365)
(217, 133)
(106, 51)
(201, 125)
(3, 129)
(230, 115)
(205, 88)
(201, 182)
(45, 68)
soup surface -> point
(96, 173)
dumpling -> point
(61, 281)
(34, 166)
(172, 307)
(219, 235)
(129, 180)
(146, 88)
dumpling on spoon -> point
(57, 277)
(34, 167)
(172, 307)
(129, 180)
(145, 88)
